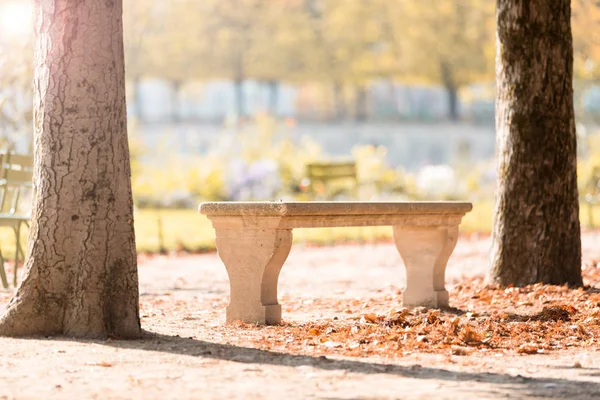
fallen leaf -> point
(461, 350)
(528, 349)
(105, 364)
(470, 336)
(369, 318)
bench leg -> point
(425, 251)
(253, 259)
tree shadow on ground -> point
(505, 383)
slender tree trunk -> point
(339, 101)
(273, 96)
(139, 100)
(240, 76)
(451, 90)
(360, 103)
(80, 274)
(135, 98)
(175, 109)
(239, 98)
(452, 102)
(536, 234)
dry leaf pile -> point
(484, 319)
(536, 319)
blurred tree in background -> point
(16, 75)
(449, 43)
(342, 46)
(141, 29)
(330, 59)
(586, 38)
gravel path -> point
(189, 358)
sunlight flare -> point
(16, 18)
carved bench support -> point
(425, 251)
(253, 259)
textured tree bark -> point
(536, 233)
(80, 272)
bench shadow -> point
(520, 385)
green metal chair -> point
(16, 175)
(322, 178)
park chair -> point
(16, 175)
(331, 179)
(328, 180)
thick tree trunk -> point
(80, 271)
(536, 234)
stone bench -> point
(254, 239)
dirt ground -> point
(189, 354)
